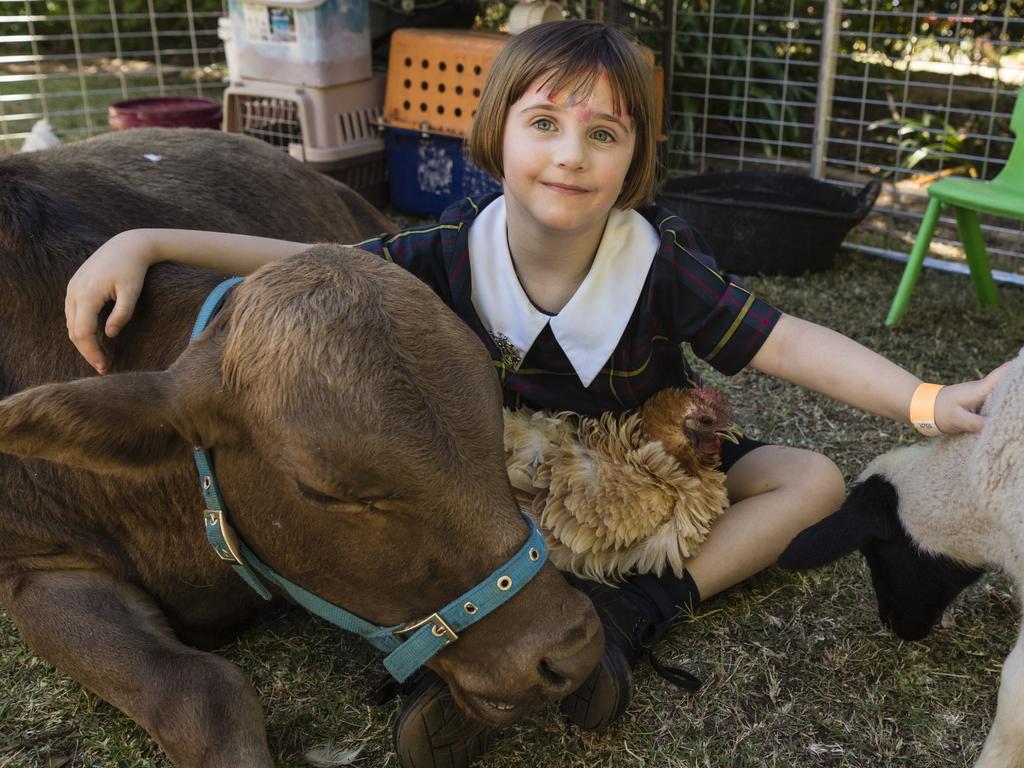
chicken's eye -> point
(706, 421)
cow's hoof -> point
(431, 731)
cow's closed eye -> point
(350, 501)
(327, 499)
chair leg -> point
(977, 256)
(913, 269)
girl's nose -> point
(571, 153)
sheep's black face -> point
(912, 588)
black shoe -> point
(604, 695)
(635, 615)
(432, 732)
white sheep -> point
(928, 518)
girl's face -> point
(565, 158)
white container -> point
(319, 43)
(227, 35)
(526, 15)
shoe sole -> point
(604, 695)
(432, 732)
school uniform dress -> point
(651, 289)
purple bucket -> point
(165, 112)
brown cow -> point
(355, 425)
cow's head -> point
(913, 587)
(356, 431)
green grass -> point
(797, 669)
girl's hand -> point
(115, 272)
(956, 408)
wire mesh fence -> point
(905, 90)
(65, 61)
(920, 89)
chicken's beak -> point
(732, 434)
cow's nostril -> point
(555, 678)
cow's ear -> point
(869, 512)
(119, 423)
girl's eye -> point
(603, 135)
(544, 124)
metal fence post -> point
(826, 84)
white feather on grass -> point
(330, 756)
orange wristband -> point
(922, 409)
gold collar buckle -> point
(440, 628)
(228, 548)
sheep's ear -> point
(869, 512)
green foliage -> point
(929, 138)
(740, 67)
(100, 25)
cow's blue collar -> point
(408, 645)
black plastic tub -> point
(768, 223)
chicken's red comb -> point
(710, 395)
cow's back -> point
(59, 205)
(198, 179)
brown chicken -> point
(622, 495)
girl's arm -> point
(828, 362)
(116, 271)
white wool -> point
(961, 495)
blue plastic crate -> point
(429, 172)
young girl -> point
(582, 296)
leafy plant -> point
(927, 138)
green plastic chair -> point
(1003, 196)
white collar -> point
(590, 325)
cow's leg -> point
(1004, 747)
(114, 640)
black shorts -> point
(733, 452)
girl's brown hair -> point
(572, 55)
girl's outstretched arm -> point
(821, 359)
(116, 271)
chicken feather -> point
(615, 496)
